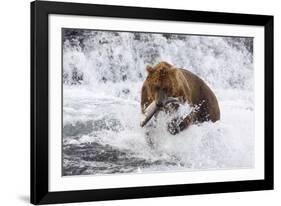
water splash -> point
(103, 73)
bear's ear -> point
(149, 68)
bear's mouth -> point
(154, 107)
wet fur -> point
(176, 82)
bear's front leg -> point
(177, 125)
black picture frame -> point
(40, 108)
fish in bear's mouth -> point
(154, 107)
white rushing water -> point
(103, 73)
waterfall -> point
(103, 72)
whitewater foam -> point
(103, 76)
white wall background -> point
(14, 102)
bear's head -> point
(160, 81)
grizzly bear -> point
(165, 81)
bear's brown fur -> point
(164, 80)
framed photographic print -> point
(131, 102)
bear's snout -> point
(161, 97)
